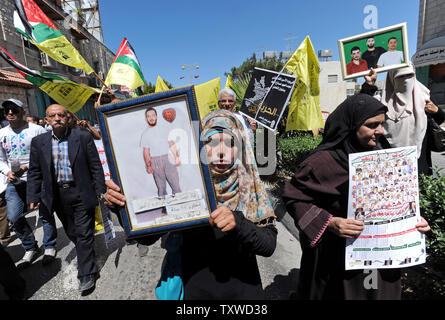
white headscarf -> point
(406, 120)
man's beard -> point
(153, 124)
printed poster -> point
(266, 97)
(384, 192)
(103, 158)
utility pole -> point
(191, 67)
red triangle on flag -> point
(35, 14)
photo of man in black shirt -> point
(373, 53)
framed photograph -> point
(384, 49)
(153, 148)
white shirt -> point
(247, 128)
(16, 144)
(156, 139)
(3, 182)
(390, 58)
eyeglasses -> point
(226, 101)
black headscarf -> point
(340, 133)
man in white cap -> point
(15, 144)
(227, 101)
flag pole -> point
(100, 79)
(100, 96)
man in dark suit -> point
(67, 162)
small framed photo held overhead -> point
(383, 50)
(153, 148)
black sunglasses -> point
(14, 109)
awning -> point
(13, 79)
(432, 52)
(52, 10)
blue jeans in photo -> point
(17, 209)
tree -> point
(241, 75)
(150, 88)
(274, 64)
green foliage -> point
(427, 281)
(239, 85)
(292, 150)
(432, 203)
(274, 64)
(150, 88)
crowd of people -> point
(56, 173)
(54, 167)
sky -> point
(219, 35)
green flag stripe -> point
(23, 33)
(128, 61)
(35, 81)
(42, 32)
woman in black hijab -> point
(340, 137)
(317, 199)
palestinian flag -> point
(32, 23)
(67, 93)
(23, 70)
(125, 69)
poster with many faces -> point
(384, 193)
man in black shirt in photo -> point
(373, 53)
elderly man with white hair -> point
(227, 101)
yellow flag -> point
(207, 96)
(125, 69)
(161, 86)
(98, 221)
(228, 81)
(304, 110)
(69, 94)
(33, 23)
(304, 64)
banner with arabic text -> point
(266, 97)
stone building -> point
(70, 18)
(429, 59)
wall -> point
(332, 94)
(431, 11)
(431, 26)
(95, 53)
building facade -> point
(69, 17)
(333, 90)
(429, 59)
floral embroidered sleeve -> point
(314, 182)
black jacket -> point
(223, 265)
(85, 164)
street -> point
(124, 275)
(438, 160)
